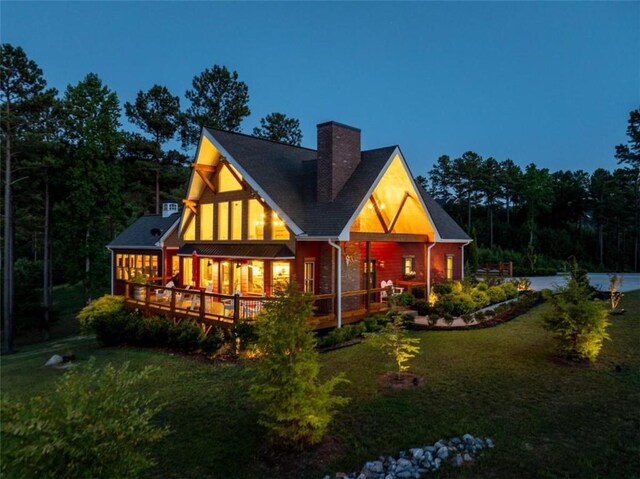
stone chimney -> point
(338, 157)
(169, 208)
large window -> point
(206, 272)
(255, 277)
(256, 220)
(128, 266)
(228, 181)
(309, 276)
(223, 221)
(187, 272)
(278, 228)
(236, 220)
(226, 278)
(189, 233)
(206, 221)
(449, 267)
(279, 274)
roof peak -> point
(258, 138)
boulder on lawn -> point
(54, 360)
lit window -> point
(128, 266)
(206, 221)
(409, 266)
(279, 275)
(228, 182)
(187, 271)
(256, 220)
(190, 229)
(255, 277)
(309, 276)
(236, 220)
(223, 221)
(449, 268)
(279, 229)
(206, 272)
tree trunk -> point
(7, 289)
(46, 289)
(87, 269)
(601, 243)
(469, 211)
(508, 218)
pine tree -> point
(396, 343)
(295, 407)
(277, 127)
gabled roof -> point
(146, 232)
(287, 175)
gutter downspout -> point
(429, 269)
(112, 280)
(339, 281)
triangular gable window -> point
(229, 179)
(394, 206)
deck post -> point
(367, 262)
(127, 290)
(236, 308)
(147, 297)
(172, 306)
(202, 305)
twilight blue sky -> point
(549, 83)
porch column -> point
(367, 275)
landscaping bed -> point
(547, 419)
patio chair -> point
(164, 294)
(394, 289)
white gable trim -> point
(164, 237)
(252, 183)
(345, 233)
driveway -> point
(600, 281)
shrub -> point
(99, 310)
(579, 324)
(443, 288)
(422, 307)
(404, 299)
(246, 334)
(95, 425)
(467, 318)
(113, 329)
(396, 344)
(185, 335)
(456, 287)
(448, 319)
(496, 294)
(480, 298)
(371, 324)
(212, 342)
(433, 319)
(488, 313)
(341, 335)
(482, 286)
(510, 290)
(294, 406)
(480, 316)
(153, 331)
(463, 304)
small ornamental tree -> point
(294, 406)
(97, 424)
(578, 323)
(396, 343)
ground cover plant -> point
(548, 420)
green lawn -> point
(547, 420)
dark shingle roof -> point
(288, 174)
(146, 231)
(446, 226)
(238, 250)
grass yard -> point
(547, 420)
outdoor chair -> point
(164, 294)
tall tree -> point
(510, 176)
(157, 113)
(218, 99)
(536, 196)
(93, 209)
(24, 98)
(466, 179)
(491, 189)
(278, 127)
(629, 155)
(599, 203)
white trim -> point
(162, 239)
(339, 281)
(254, 185)
(462, 259)
(344, 234)
(133, 247)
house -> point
(337, 220)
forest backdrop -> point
(74, 177)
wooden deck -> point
(214, 309)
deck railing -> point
(215, 309)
